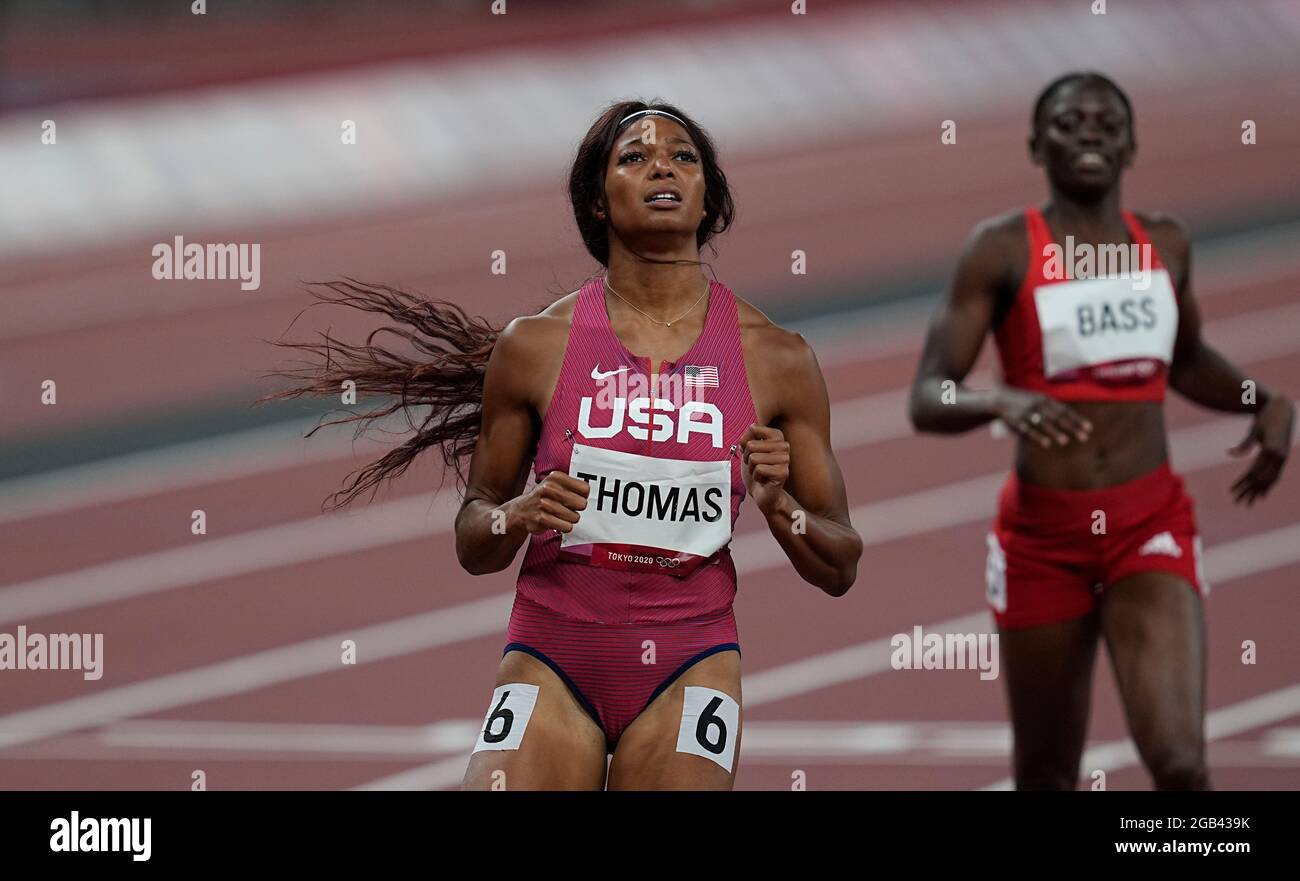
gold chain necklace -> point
(648, 315)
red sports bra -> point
(1105, 337)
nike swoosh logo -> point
(596, 374)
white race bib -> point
(710, 725)
(639, 505)
(1091, 322)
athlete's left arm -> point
(791, 472)
(1202, 375)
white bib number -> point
(671, 504)
(507, 717)
(1095, 321)
(710, 724)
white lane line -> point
(129, 740)
(423, 515)
(203, 462)
(1282, 742)
(1253, 713)
(410, 519)
(841, 665)
(850, 738)
(1254, 553)
(208, 559)
(865, 420)
(444, 736)
(1223, 563)
(1237, 718)
(426, 515)
(243, 674)
(415, 517)
(168, 739)
(827, 742)
(893, 743)
(1192, 449)
(249, 672)
(821, 742)
(483, 618)
(1257, 335)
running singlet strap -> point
(657, 444)
(1107, 336)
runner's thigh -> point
(540, 739)
(658, 751)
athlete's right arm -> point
(940, 401)
(496, 516)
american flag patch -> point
(705, 377)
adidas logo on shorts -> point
(1161, 543)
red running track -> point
(170, 700)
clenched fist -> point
(766, 464)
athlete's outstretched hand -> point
(1040, 419)
(1271, 430)
(766, 464)
(553, 503)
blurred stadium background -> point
(221, 651)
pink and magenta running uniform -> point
(642, 588)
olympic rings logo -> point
(668, 562)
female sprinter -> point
(648, 404)
(1094, 534)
